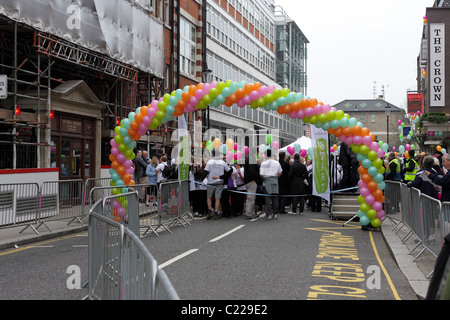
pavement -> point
(417, 272)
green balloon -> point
(372, 155)
(375, 222)
(371, 214)
(364, 207)
(364, 149)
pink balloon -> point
(193, 101)
(113, 143)
(326, 108)
(377, 206)
(236, 146)
(357, 140)
(291, 150)
(115, 151)
(246, 150)
(239, 155)
(254, 95)
(121, 212)
(275, 145)
(121, 157)
(367, 140)
(152, 111)
(381, 214)
(247, 100)
(309, 112)
(374, 146)
(146, 120)
(318, 109)
(199, 94)
(293, 114)
(128, 164)
(300, 114)
(370, 199)
(399, 122)
(303, 152)
(206, 87)
(230, 155)
(408, 147)
(348, 140)
(241, 103)
(262, 91)
(129, 171)
(364, 192)
(154, 104)
(362, 184)
(394, 149)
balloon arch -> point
(296, 105)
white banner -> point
(321, 172)
(437, 65)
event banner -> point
(321, 173)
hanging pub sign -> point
(415, 102)
(437, 65)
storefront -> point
(75, 131)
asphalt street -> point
(294, 257)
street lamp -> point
(206, 78)
(388, 112)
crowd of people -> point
(284, 185)
(219, 190)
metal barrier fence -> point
(120, 266)
(427, 218)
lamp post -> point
(388, 112)
(206, 78)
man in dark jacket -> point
(283, 181)
(297, 175)
(425, 187)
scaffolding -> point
(34, 63)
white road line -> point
(80, 246)
(43, 246)
(181, 256)
(227, 233)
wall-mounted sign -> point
(437, 65)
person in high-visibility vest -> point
(412, 166)
(393, 168)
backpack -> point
(169, 171)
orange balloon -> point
(134, 125)
(185, 96)
(131, 183)
(199, 86)
(256, 86)
(248, 88)
(240, 93)
(126, 178)
(377, 194)
(295, 106)
(372, 185)
(382, 199)
(144, 110)
(138, 117)
(132, 133)
(362, 170)
(304, 103)
(366, 178)
(233, 98)
(364, 132)
(287, 108)
(280, 110)
(356, 130)
(121, 170)
(347, 131)
(313, 102)
(338, 132)
(115, 165)
(112, 158)
(228, 102)
(192, 90)
(181, 104)
(372, 136)
(331, 131)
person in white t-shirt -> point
(270, 170)
(217, 171)
(160, 168)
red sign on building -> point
(415, 102)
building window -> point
(372, 117)
(187, 47)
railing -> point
(120, 266)
(427, 218)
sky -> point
(354, 43)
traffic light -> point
(117, 121)
(52, 114)
(17, 110)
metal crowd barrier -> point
(427, 218)
(120, 266)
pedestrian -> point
(426, 186)
(296, 184)
(140, 176)
(251, 180)
(217, 172)
(228, 187)
(411, 167)
(159, 170)
(152, 190)
(270, 170)
(393, 168)
(201, 189)
(283, 181)
(238, 196)
(193, 190)
(345, 160)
